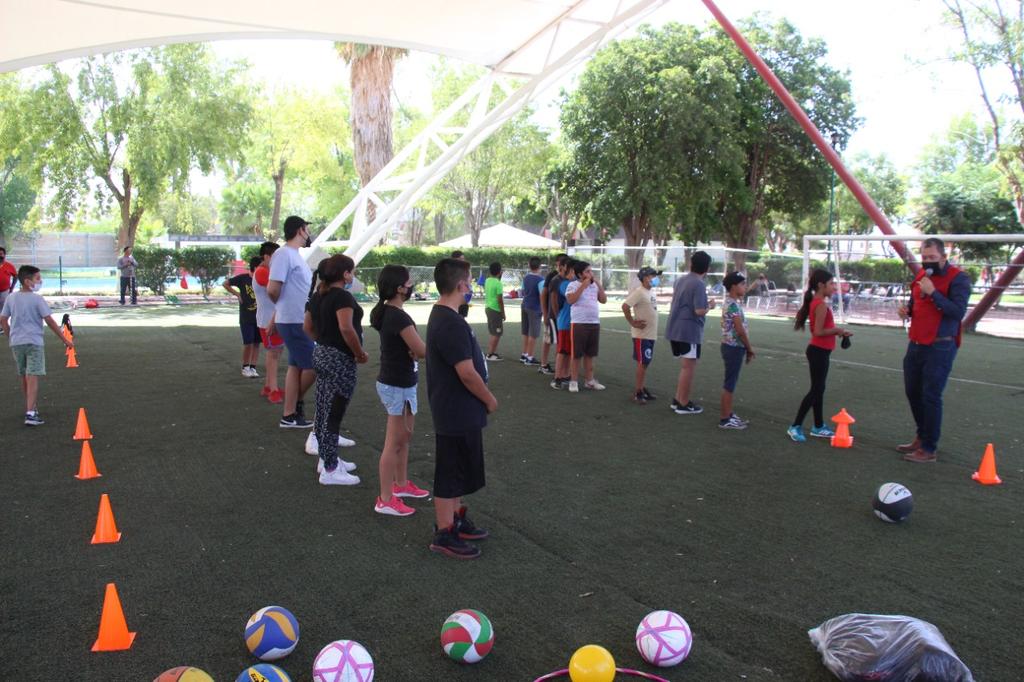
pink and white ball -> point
(663, 639)
(343, 661)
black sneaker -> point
(689, 408)
(299, 412)
(531, 361)
(546, 369)
(556, 384)
(32, 419)
(639, 398)
(467, 529)
(493, 357)
(648, 395)
(446, 541)
(294, 421)
(523, 357)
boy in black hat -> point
(641, 311)
(736, 346)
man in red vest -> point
(938, 301)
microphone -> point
(928, 272)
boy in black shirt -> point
(240, 286)
(459, 402)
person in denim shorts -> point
(400, 349)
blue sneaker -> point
(796, 433)
(822, 432)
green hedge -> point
(430, 255)
(157, 267)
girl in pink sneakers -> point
(400, 348)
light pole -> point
(831, 205)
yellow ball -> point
(592, 663)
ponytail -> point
(390, 279)
(818, 277)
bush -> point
(157, 267)
(209, 264)
(430, 255)
(250, 251)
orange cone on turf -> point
(87, 465)
(114, 635)
(72, 359)
(106, 529)
(986, 473)
(82, 431)
(843, 439)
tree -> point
(137, 121)
(246, 203)
(883, 183)
(782, 169)
(16, 200)
(371, 72)
(649, 136)
(17, 196)
(299, 135)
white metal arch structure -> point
(526, 44)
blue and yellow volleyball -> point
(263, 672)
(271, 633)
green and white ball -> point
(467, 636)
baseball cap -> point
(732, 279)
(647, 271)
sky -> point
(896, 51)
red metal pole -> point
(978, 311)
(798, 113)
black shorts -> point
(250, 333)
(459, 464)
(585, 339)
(682, 349)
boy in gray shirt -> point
(22, 318)
(685, 330)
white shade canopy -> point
(486, 32)
(503, 235)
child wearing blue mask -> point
(641, 311)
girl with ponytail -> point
(400, 348)
(817, 309)
(334, 321)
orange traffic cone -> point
(106, 529)
(114, 635)
(986, 473)
(87, 465)
(72, 359)
(82, 431)
(843, 439)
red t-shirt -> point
(8, 273)
(826, 342)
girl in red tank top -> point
(817, 309)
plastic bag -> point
(860, 646)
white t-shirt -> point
(264, 306)
(586, 309)
(288, 267)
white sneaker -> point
(347, 466)
(313, 446)
(574, 387)
(338, 477)
(245, 372)
(254, 373)
(595, 385)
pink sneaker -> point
(408, 490)
(395, 507)
(276, 397)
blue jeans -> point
(925, 371)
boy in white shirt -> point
(584, 295)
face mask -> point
(309, 242)
(407, 294)
(347, 286)
(655, 281)
(932, 265)
(37, 287)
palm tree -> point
(371, 72)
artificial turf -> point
(600, 511)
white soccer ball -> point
(664, 639)
(343, 661)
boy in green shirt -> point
(494, 296)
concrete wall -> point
(76, 250)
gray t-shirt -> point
(127, 265)
(27, 311)
(291, 270)
(688, 294)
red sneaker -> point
(393, 507)
(276, 397)
(410, 489)
(265, 391)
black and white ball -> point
(893, 502)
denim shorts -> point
(396, 397)
(733, 356)
(300, 346)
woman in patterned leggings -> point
(334, 321)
